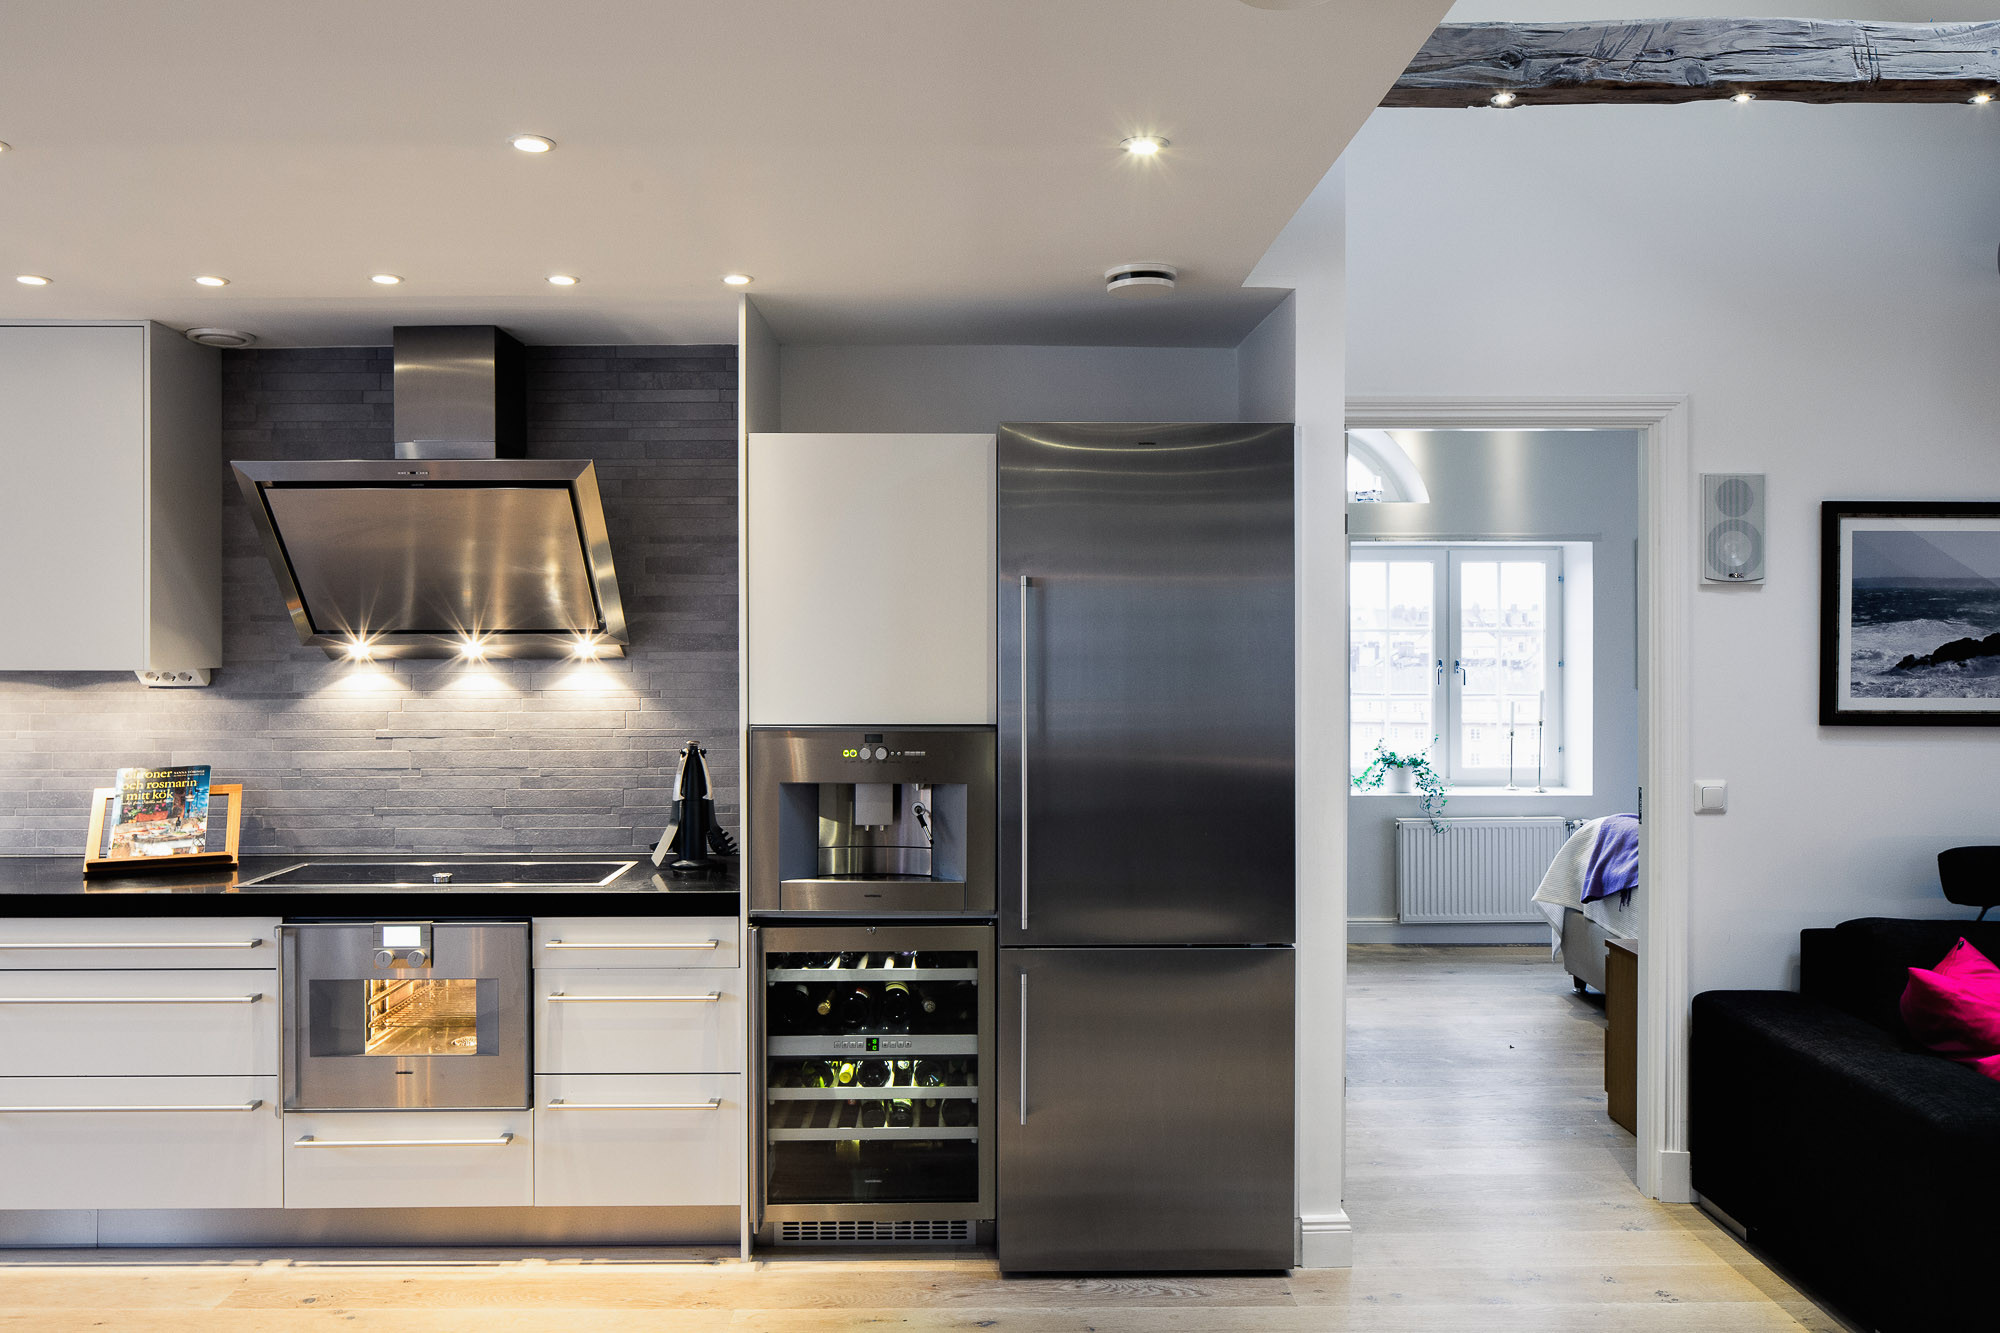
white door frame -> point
(1669, 550)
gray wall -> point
(974, 388)
(422, 756)
(1548, 484)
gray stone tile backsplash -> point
(434, 756)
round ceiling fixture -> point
(562, 280)
(1144, 145)
(31, 280)
(220, 337)
(1150, 279)
(737, 279)
(211, 280)
(533, 143)
(385, 279)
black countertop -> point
(56, 886)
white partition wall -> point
(870, 579)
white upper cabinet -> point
(870, 580)
(111, 508)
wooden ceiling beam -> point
(1699, 60)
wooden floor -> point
(1488, 1191)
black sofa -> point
(1863, 1163)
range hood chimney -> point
(460, 547)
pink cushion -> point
(1954, 1008)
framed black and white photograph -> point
(1909, 613)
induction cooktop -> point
(435, 875)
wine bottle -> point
(872, 1073)
(903, 1075)
(815, 1074)
(960, 1111)
(929, 1074)
(896, 1008)
(844, 1073)
(902, 1113)
(854, 1009)
(791, 1008)
(873, 1115)
(817, 961)
(850, 960)
(823, 1012)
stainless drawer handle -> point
(699, 944)
(709, 1105)
(236, 1106)
(131, 944)
(130, 999)
(309, 1141)
(711, 998)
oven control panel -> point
(403, 944)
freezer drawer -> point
(1145, 1109)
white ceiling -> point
(889, 170)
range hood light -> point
(472, 649)
(586, 647)
(358, 650)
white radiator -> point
(1476, 870)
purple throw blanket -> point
(1614, 859)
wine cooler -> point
(874, 1058)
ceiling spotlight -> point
(358, 650)
(737, 279)
(1502, 98)
(471, 649)
(6, 147)
(562, 279)
(31, 280)
(210, 280)
(533, 143)
(1145, 145)
(386, 279)
(1981, 99)
(1741, 98)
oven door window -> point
(402, 1016)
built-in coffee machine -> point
(872, 822)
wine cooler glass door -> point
(875, 1064)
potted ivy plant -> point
(1405, 773)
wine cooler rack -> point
(874, 1050)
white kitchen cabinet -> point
(660, 1140)
(110, 518)
(635, 941)
(410, 1159)
(639, 1021)
(870, 565)
(65, 943)
(105, 1022)
(140, 1143)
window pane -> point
(1479, 594)
(1504, 638)
(1392, 656)
(1368, 594)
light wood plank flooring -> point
(1487, 1187)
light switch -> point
(1711, 797)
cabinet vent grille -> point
(868, 1232)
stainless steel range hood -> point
(460, 545)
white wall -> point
(1550, 484)
(1265, 367)
(971, 388)
(1821, 282)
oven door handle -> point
(696, 944)
(558, 1104)
(10, 945)
(131, 999)
(498, 1141)
(92, 1110)
(713, 997)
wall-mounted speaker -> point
(1732, 505)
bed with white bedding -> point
(1588, 894)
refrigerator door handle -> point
(1024, 776)
(1024, 1046)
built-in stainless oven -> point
(406, 1015)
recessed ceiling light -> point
(534, 143)
(210, 280)
(1145, 145)
(1503, 99)
(6, 147)
(32, 280)
(562, 279)
(738, 279)
(1741, 98)
(386, 279)
(1981, 99)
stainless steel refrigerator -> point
(1145, 988)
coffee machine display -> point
(872, 822)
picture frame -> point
(224, 836)
(1909, 613)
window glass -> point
(1392, 656)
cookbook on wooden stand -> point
(164, 819)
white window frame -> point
(1447, 675)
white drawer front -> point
(142, 941)
(131, 1022)
(635, 941)
(410, 1159)
(639, 1021)
(140, 1143)
(638, 1139)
